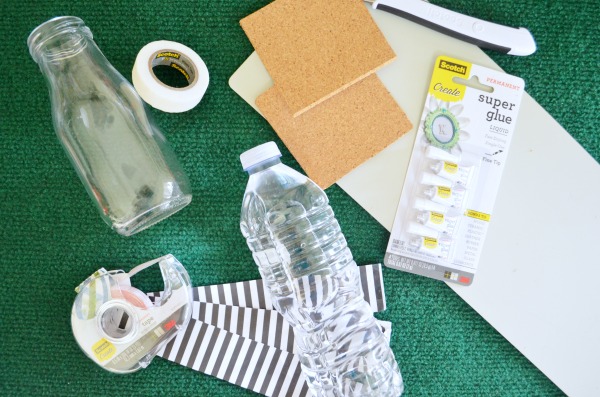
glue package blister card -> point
(455, 170)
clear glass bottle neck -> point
(58, 39)
(263, 165)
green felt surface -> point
(52, 238)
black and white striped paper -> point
(236, 335)
(252, 293)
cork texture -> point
(314, 48)
(341, 133)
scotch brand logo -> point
(453, 67)
(168, 54)
(182, 70)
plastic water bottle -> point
(313, 280)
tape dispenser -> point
(118, 326)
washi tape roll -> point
(158, 94)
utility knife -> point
(484, 34)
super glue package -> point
(454, 172)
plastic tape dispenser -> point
(118, 326)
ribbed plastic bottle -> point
(313, 280)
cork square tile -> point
(341, 133)
(314, 49)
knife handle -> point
(484, 34)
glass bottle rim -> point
(52, 28)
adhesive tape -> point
(156, 93)
(118, 326)
(134, 296)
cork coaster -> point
(341, 133)
(315, 48)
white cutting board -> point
(537, 282)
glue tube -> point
(420, 230)
(451, 196)
(436, 153)
(452, 171)
(444, 223)
(428, 205)
(429, 241)
(439, 248)
(430, 179)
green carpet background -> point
(52, 238)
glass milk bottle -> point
(123, 160)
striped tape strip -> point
(252, 293)
(252, 364)
(242, 361)
(235, 335)
(264, 326)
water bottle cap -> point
(259, 154)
